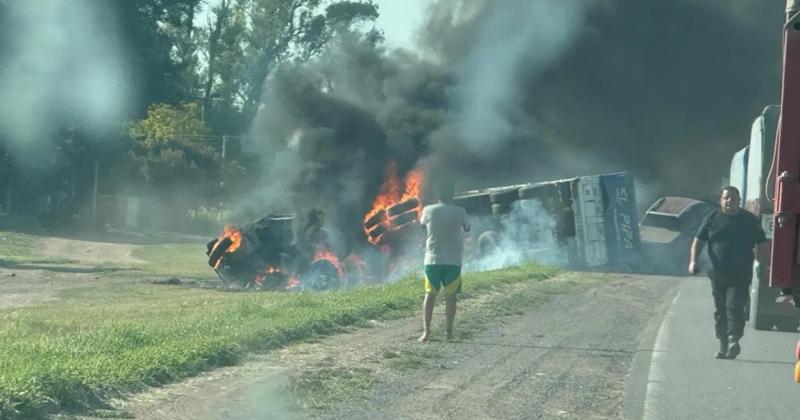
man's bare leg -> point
(450, 314)
(427, 314)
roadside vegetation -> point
(94, 343)
(16, 248)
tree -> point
(159, 40)
(179, 160)
(167, 125)
(247, 39)
(170, 147)
(292, 29)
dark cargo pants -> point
(730, 297)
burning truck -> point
(585, 222)
(276, 252)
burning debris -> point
(278, 252)
(584, 222)
(396, 207)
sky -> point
(400, 19)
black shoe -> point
(722, 353)
(734, 349)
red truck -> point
(785, 258)
(767, 172)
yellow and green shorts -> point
(440, 275)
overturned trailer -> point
(591, 221)
(593, 218)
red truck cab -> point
(785, 258)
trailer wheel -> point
(375, 219)
(487, 242)
(404, 218)
(322, 275)
(400, 208)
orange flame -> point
(235, 235)
(293, 282)
(414, 181)
(324, 254)
(391, 193)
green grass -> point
(320, 386)
(95, 342)
(180, 260)
(413, 357)
(16, 245)
(16, 248)
(184, 260)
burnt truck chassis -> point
(266, 258)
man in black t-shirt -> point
(732, 234)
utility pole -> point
(94, 190)
(9, 188)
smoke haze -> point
(63, 66)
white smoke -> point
(64, 64)
(527, 233)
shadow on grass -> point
(28, 226)
(59, 267)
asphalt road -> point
(675, 375)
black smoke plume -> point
(524, 90)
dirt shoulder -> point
(567, 358)
(89, 252)
(76, 264)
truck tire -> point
(404, 218)
(218, 250)
(487, 242)
(322, 275)
(376, 232)
(400, 208)
(504, 196)
(375, 219)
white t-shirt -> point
(445, 236)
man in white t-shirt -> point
(444, 224)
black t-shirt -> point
(731, 239)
